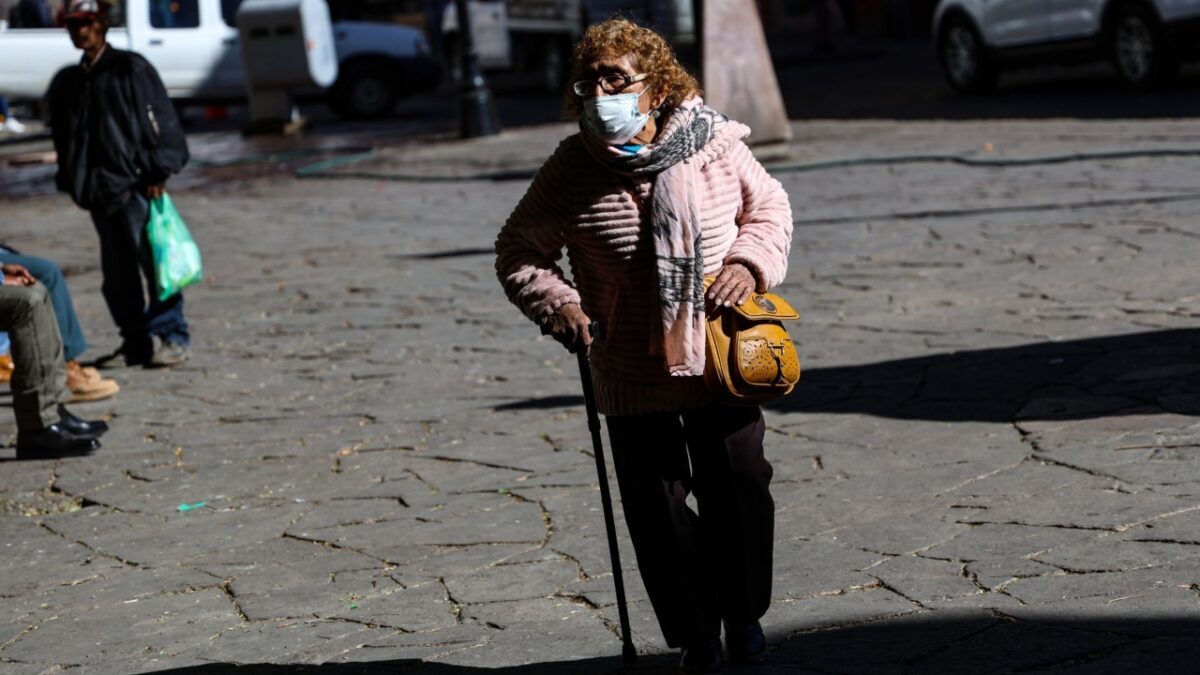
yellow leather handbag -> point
(751, 358)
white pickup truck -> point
(194, 46)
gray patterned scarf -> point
(675, 224)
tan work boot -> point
(86, 384)
(6, 368)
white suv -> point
(1145, 39)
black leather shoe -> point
(703, 656)
(746, 643)
(137, 357)
(133, 354)
(136, 352)
(79, 427)
(53, 442)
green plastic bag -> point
(176, 256)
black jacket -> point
(115, 129)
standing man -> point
(118, 140)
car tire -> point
(965, 60)
(1139, 47)
(365, 92)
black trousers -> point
(701, 567)
(125, 258)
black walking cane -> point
(628, 653)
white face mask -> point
(614, 119)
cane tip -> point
(629, 655)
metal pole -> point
(476, 107)
(628, 653)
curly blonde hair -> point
(647, 50)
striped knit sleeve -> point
(531, 242)
(764, 223)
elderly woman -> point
(654, 193)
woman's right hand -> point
(570, 326)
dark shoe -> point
(53, 442)
(167, 354)
(137, 353)
(746, 643)
(79, 427)
(134, 354)
(702, 657)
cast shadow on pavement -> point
(542, 403)
(1038, 94)
(905, 82)
(1142, 373)
(979, 643)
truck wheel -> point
(364, 92)
(965, 60)
(1139, 47)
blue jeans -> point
(49, 275)
(125, 258)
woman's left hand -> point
(735, 282)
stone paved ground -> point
(992, 464)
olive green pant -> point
(39, 378)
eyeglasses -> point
(609, 84)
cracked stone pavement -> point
(992, 464)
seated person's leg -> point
(39, 375)
(49, 275)
(85, 383)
